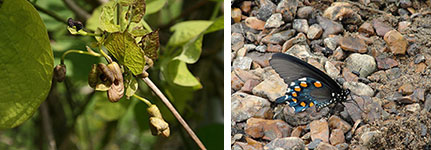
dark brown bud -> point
(100, 77)
(60, 72)
(116, 91)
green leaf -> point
(151, 44)
(178, 73)
(123, 47)
(154, 6)
(186, 31)
(26, 62)
(191, 51)
(107, 19)
(110, 111)
(130, 84)
(217, 25)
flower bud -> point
(159, 126)
(60, 72)
(154, 111)
(100, 77)
(116, 91)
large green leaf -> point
(110, 111)
(187, 30)
(155, 5)
(217, 25)
(26, 62)
(178, 73)
(192, 50)
(107, 19)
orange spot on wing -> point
(311, 104)
(294, 94)
(294, 100)
(297, 89)
(303, 84)
(302, 104)
(317, 84)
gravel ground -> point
(380, 50)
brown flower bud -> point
(100, 77)
(159, 126)
(60, 72)
(116, 91)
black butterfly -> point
(307, 85)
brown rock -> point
(419, 94)
(336, 122)
(381, 28)
(236, 15)
(271, 88)
(386, 63)
(396, 42)
(325, 146)
(342, 11)
(338, 54)
(246, 6)
(402, 26)
(406, 89)
(366, 28)
(288, 143)
(337, 137)
(349, 76)
(305, 12)
(420, 68)
(275, 48)
(296, 132)
(353, 44)
(245, 106)
(329, 27)
(249, 85)
(236, 82)
(314, 32)
(237, 41)
(255, 23)
(319, 130)
(255, 144)
(267, 129)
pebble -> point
(413, 107)
(279, 38)
(300, 25)
(370, 137)
(267, 129)
(242, 63)
(267, 8)
(406, 89)
(427, 104)
(365, 63)
(393, 73)
(304, 12)
(405, 3)
(271, 88)
(330, 42)
(420, 68)
(245, 106)
(274, 48)
(288, 9)
(325, 146)
(250, 36)
(336, 122)
(342, 11)
(296, 132)
(352, 109)
(255, 23)
(419, 94)
(246, 6)
(236, 15)
(405, 99)
(396, 42)
(381, 28)
(329, 27)
(419, 58)
(349, 76)
(353, 44)
(403, 26)
(339, 54)
(299, 39)
(337, 137)
(249, 47)
(255, 144)
(342, 146)
(319, 130)
(285, 143)
(331, 70)
(367, 28)
(237, 41)
(261, 48)
(260, 58)
(274, 21)
(314, 32)
(359, 88)
(301, 51)
(249, 85)
(386, 63)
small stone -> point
(285, 143)
(255, 23)
(386, 63)
(403, 25)
(413, 107)
(413, 49)
(405, 100)
(274, 21)
(245, 106)
(337, 137)
(236, 82)
(420, 68)
(260, 58)
(301, 51)
(329, 27)
(359, 88)
(249, 85)
(278, 38)
(296, 132)
(304, 12)
(381, 28)
(274, 48)
(241, 52)
(349, 76)
(325, 146)
(403, 12)
(342, 146)
(331, 70)
(267, 8)
(353, 44)
(271, 88)
(288, 9)
(300, 25)
(370, 137)
(393, 73)
(237, 41)
(246, 6)
(338, 54)
(406, 89)
(336, 122)
(405, 3)
(237, 137)
(342, 11)
(242, 63)
(253, 143)
(427, 104)
(396, 42)
(319, 130)
(249, 47)
(330, 43)
(365, 63)
(261, 48)
(419, 94)
(267, 129)
(419, 58)
(314, 32)
(367, 28)
(250, 36)
(236, 15)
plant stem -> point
(79, 52)
(46, 122)
(174, 111)
(146, 26)
(143, 99)
(105, 55)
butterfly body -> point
(307, 85)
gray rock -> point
(265, 10)
(305, 12)
(241, 52)
(242, 63)
(249, 47)
(330, 43)
(301, 51)
(314, 32)
(237, 41)
(270, 88)
(419, 58)
(363, 63)
(278, 38)
(359, 88)
(245, 106)
(393, 73)
(313, 144)
(427, 105)
(293, 143)
(288, 9)
(300, 25)
(329, 26)
(325, 146)
(413, 107)
(405, 3)
(369, 138)
(261, 48)
(274, 21)
(342, 146)
(331, 70)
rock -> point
(393, 73)
(339, 54)
(288, 9)
(255, 23)
(274, 48)
(419, 94)
(342, 11)
(305, 12)
(261, 48)
(319, 130)
(336, 122)
(420, 68)
(365, 63)
(405, 3)
(369, 138)
(267, 8)
(342, 146)
(300, 25)
(367, 28)
(246, 6)
(236, 15)
(337, 137)
(299, 39)
(396, 42)
(386, 63)
(405, 100)
(314, 144)
(427, 104)
(301, 51)
(406, 89)
(296, 132)
(359, 88)
(260, 58)
(278, 38)
(249, 85)
(314, 32)
(331, 70)
(293, 143)
(274, 21)
(271, 88)
(403, 26)
(349, 76)
(248, 146)
(325, 146)
(381, 28)
(245, 106)
(413, 49)
(250, 36)
(237, 41)
(267, 129)
(419, 58)
(329, 27)
(242, 63)
(353, 44)
(241, 52)
(331, 43)
(413, 107)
